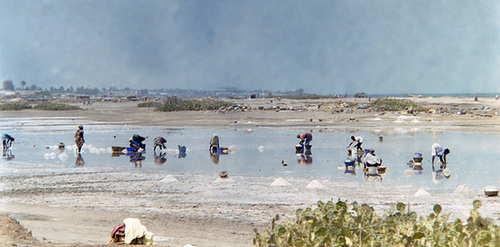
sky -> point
(323, 47)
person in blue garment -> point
(7, 141)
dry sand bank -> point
(82, 209)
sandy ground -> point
(82, 209)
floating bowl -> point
(117, 149)
(223, 174)
(349, 162)
(417, 159)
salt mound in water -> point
(63, 156)
(169, 179)
(315, 184)
(422, 192)
(233, 148)
(280, 182)
(463, 189)
(408, 172)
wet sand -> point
(202, 210)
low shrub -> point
(387, 104)
(14, 106)
(177, 104)
(343, 224)
(150, 104)
(55, 107)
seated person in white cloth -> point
(372, 160)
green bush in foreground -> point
(14, 106)
(55, 107)
(176, 104)
(395, 105)
(342, 224)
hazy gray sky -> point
(325, 46)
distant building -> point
(360, 95)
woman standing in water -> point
(79, 138)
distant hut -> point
(360, 95)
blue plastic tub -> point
(349, 162)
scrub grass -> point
(14, 106)
(387, 104)
(55, 107)
(177, 104)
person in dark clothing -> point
(305, 137)
(79, 140)
(159, 142)
(136, 142)
(7, 141)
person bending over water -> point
(437, 150)
(305, 137)
(7, 141)
(136, 142)
(358, 140)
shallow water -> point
(253, 152)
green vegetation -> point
(387, 104)
(177, 104)
(14, 106)
(55, 107)
(150, 104)
(342, 224)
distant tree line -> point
(9, 86)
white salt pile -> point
(169, 179)
(280, 182)
(315, 184)
(463, 189)
(422, 192)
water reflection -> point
(79, 162)
(441, 173)
(305, 159)
(160, 159)
(214, 157)
(136, 158)
(7, 154)
(350, 170)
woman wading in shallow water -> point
(79, 138)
